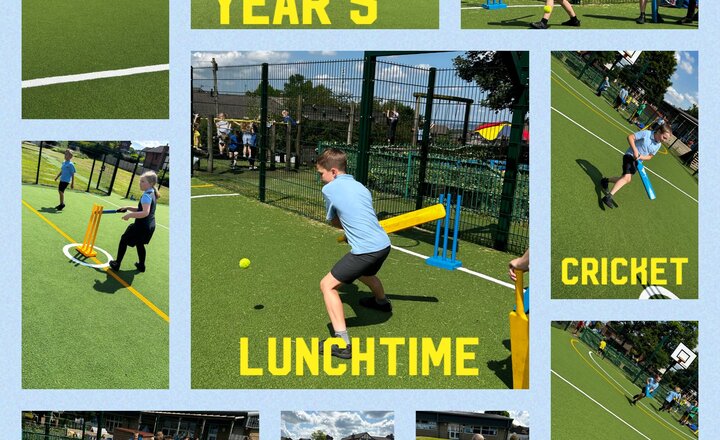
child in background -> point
(67, 177)
(543, 24)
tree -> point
(493, 72)
(693, 111)
(651, 72)
(318, 435)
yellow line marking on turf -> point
(621, 391)
(206, 185)
(117, 277)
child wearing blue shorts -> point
(349, 206)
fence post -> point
(297, 133)
(210, 143)
(366, 109)
(425, 143)
(132, 177)
(112, 179)
(37, 173)
(351, 123)
(263, 131)
(102, 169)
(520, 109)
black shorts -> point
(62, 186)
(618, 101)
(352, 266)
(137, 234)
(628, 165)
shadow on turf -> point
(595, 175)
(350, 294)
(48, 210)
(648, 20)
(110, 284)
(503, 368)
(517, 22)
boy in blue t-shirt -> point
(349, 206)
(647, 390)
(67, 177)
(643, 146)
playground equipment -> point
(87, 248)
(440, 258)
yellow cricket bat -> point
(410, 219)
(520, 338)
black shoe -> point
(342, 353)
(640, 19)
(370, 303)
(684, 20)
(608, 201)
(60, 207)
(539, 25)
(572, 22)
(140, 267)
(604, 183)
(114, 265)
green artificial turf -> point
(575, 415)
(278, 296)
(592, 16)
(73, 37)
(142, 96)
(81, 328)
(583, 227)
(413, 14)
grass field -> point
(609, 16)
(413, 14)
(84, 327)
(586, 132)
(74, 37)
(50, 167)
(278, 296)
(591, 395)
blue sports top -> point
(348, 200)
(645, 143)
(67, 169)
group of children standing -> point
(235, 139)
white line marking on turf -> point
(471, 272)
(615, 122)
(630, 393)
(599, 404)
(202, 196)
(66, 251)
(39, 82)
(620, 151)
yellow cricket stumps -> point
(88, 245)
(520, 337)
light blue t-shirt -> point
(645, 143)
(348, 200)
(652, 386)
(67, 169)
(147, 197)
(671, 396)
(623, 94)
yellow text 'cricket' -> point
(420, 357)
(296, 12)
(657, 271)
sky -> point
(139, 145)
(203, 59)
(339, 424)
(684, 90)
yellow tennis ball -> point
(244, 263)
(547, 9)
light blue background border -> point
(404, 403)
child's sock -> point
(344, 335)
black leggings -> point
(122, 247)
